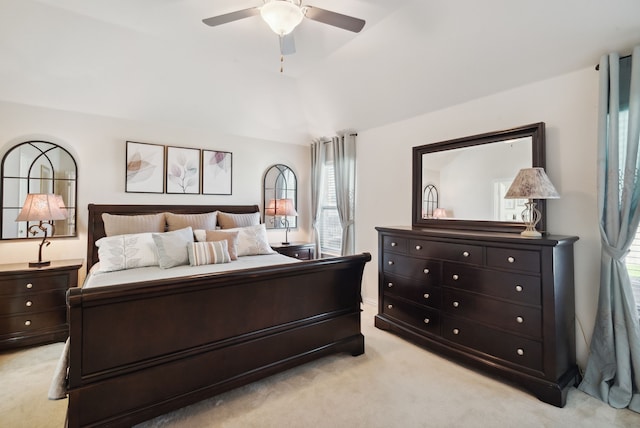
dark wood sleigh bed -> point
(143, 349)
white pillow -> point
(130, 251)
(172, 247)
(253, 240)
(207, 253)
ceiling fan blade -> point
(333, 18)
(287, 44)
(232, 16)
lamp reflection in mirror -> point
(44, 208)
(282, 208)
(531, 183)
(440, 213)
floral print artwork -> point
(183, 170)
(145, 172)
(217, 172)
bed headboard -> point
(95, 226)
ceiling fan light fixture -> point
(282, 16)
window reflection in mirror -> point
(37, 167)
(472, 181)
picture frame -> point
(145, 168)
(182, 170)
(217, 172)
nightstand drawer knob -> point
(455, 277)
(456, 304)
(390, 284)
(29, 303)
(520, 351)
(296, 255)
(29, 285)
(394, 244)
(519, 288)
(427, 320)
(27, 323)
(418, 247)
(390, 262)
(519, 320)
(511, 259)
(456, 331)
(390, 306)
(425, 270)
(466, 254)
(426, 295)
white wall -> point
(98, 145)
(568, 106)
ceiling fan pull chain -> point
(281, 63)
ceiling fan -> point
(283, 16)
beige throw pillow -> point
(129, 224)
(231, 236)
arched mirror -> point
(280, 198)
(37, 167)
(472, 175)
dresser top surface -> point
(55, 265)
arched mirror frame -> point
(279, 182)
(537, 133)
(44, 150)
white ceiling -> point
(154, 60)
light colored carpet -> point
(394, 384)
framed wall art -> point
(183, 170)
(145, 168)
(216, 172)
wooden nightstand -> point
(33, 309)
(297, 250)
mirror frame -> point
(537, 133)
(270, 191)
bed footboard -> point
(141, 350)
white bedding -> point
(155, 272)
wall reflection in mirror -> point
(471, 181)
(37, 167)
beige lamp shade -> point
(42, 207)
(439, 213)
(532, 183)
(281, 207)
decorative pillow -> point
(130, 224)
(230, 237)
(253, 240)
(229, 220)
(122, 252)
(172, 247)
(196, 221)
(207, 253)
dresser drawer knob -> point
(466, 254)
(394, 244)
(390, 284)
(390, 306)
(519, 288)
(426, 295)
(29, 303)
(520, 351)
(29, 285)
(456, 304)
(27, 323)
(455, 277)
(519, 320)
(418, 247)
(296, 255)
(427, 320)
(425, 270)
(456, 331)
(511, 259)
(390, 263)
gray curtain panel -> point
(344, 161)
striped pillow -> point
(208, 253)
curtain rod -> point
(622, 57)
(351, 135)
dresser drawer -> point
(463, 253)
(519, 288)
(395, 244)
(33, 302)
(509, 347)
(25, 323)
(423, 292)
(423, 270)
(421, 317)
(518, 319)
(18, 284)
(507, 258)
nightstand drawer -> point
(19, 284)
(297, 250)
(25, 323)
(301, 254)
(33, 302)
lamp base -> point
(39, 264)
(531, 234)
(285, 243)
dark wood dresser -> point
(33, 307)
(496, 301)
(297, 250)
